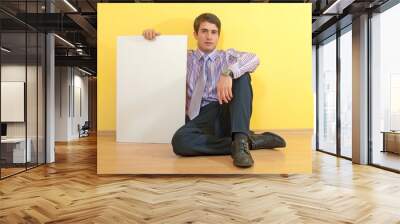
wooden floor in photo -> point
(70, 191)
(131, 158)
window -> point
(346, 93)
(327, 95)
(385, 88)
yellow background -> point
(280, 35)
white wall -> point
(81, 100)
(17, 73)
(62, 82)
(70, 88)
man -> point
(218, 99)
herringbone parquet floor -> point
(69, 191)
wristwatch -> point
(227, 72)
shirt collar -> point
(199, 54)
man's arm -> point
(238, 63)
(241, 62)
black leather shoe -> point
(241, 153)
(266, 140)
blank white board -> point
(151, 83)
(12, 101)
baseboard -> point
(106, 133)
(287, 131)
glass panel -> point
(31, 84)
(22, 88)
(41, 98)
(13, 89)
(346, 93)
(386, 89)
(327, 96)
(31, 99)
(314, 78)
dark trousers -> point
(210, 133)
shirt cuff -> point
(235, 70)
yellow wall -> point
(280, 34)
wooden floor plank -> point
(70, 191)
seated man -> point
(218, 99)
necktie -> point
(195, 102)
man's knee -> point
(244, 78)
(179, 143)
(243, 81)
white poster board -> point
(151, 83)
(12, 101)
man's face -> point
(207, 37)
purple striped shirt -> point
(238, 62)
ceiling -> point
(76, 22)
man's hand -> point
(150, 34)
(224, 89)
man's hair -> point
(206, 17)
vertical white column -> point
(50, 91)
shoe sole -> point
(243, 165)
